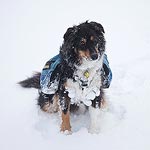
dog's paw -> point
(65, 128)
(66, 132)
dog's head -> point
(85, 41)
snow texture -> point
(85, 94)
(31, 32)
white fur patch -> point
(95, 115)
(78, 93)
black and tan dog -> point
(78, 76)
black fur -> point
(69, 52)
(70, 47)
(32, 82)
(44, 99)
(73, 37)
(97, 101)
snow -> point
(31, 33)
(79, 93)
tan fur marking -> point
(96, 50)
(51, 108)
(65, 122)
(65, 84)
(46, 107)
(92, 38)
(87, 53)
(55, 103)
(103, 103)
(84, 54)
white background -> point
(31, 32)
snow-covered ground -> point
(31, 32)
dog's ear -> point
(98, 27)
(70, 31)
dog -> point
(78, 76)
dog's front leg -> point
(96, 112)
(65, 125)
(65, 113)
(95, 115)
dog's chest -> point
(85, 85)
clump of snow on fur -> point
(86, 94)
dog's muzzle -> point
(94, 56)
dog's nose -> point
(94, 56)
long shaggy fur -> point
(85, 41)
(31, 82)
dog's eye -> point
(83, 41)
